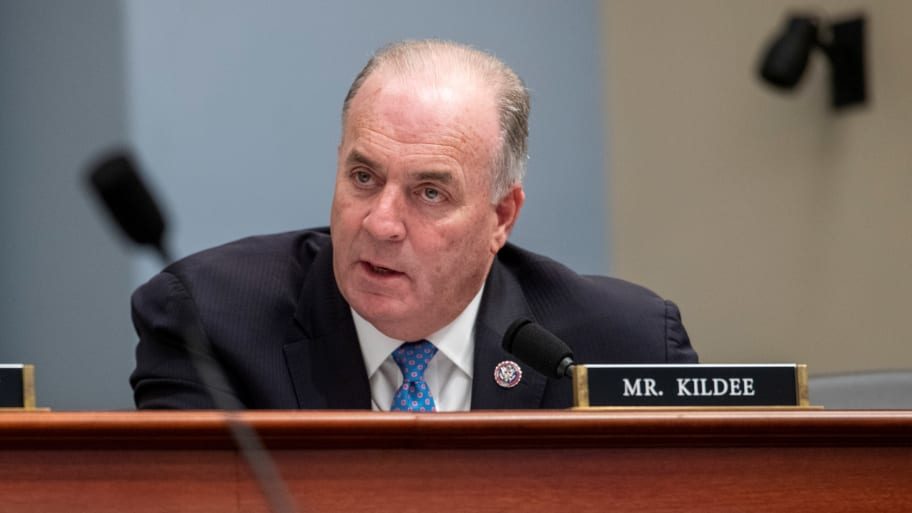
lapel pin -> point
(507, 374)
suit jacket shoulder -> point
(240, 299)
(604, 319)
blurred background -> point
(779, 225)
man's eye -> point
(431, 194)
(362, 177)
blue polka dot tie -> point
(414, 394)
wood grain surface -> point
(632, 460)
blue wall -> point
(233, 109)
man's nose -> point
(385, 220)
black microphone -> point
(539, 348)
(117, 182)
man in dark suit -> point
(402, 302)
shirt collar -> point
(455, 340)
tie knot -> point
(413, 358)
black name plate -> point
(17, 386)
(689, 385)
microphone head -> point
(537, 347)
(117, 182)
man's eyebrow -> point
(435, 176)
(359, 158)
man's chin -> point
(378, 311)
(393, 323)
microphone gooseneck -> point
(539, 348)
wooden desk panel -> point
(506, 461)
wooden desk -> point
(707, 461)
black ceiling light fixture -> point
(786, 58)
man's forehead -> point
(447, 93)
(412, 108)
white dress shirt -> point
(448, 375)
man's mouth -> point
(380, 270)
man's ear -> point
(507, 210)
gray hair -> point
(512, 96)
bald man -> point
(402, 302)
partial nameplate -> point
(17, 385)
(687, 385)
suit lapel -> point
(502, 303)
(322, 353)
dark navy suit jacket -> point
(272, 314)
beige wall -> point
(782, 229)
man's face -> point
(413, 226)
